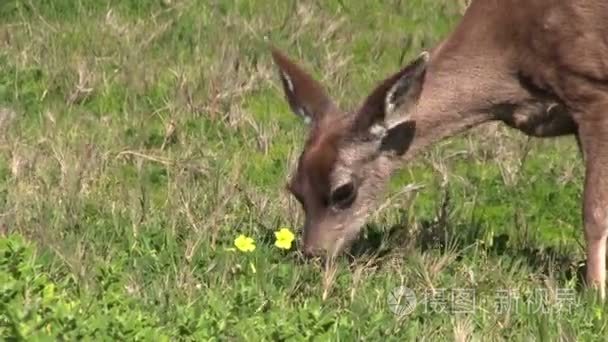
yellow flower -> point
(284, 238)
(244, 243)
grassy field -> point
(139, 138)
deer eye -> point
(344, 195)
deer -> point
(539, 66)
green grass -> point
(113, 229)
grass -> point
(139, 138)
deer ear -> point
(397, 92)
(306, 97)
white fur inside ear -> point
(425, 56)
(290, 87)
(288, 81)
(377, 130)
(399, 91)
(395, 96)
(389, 101)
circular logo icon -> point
(401, 301)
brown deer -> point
(540, 66)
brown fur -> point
(540, 66)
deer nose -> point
(311, 251)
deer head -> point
(348, 156)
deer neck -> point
(457, 96)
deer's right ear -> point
(306, 97)
(396, 93)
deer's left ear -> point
(397, 92)
(306, 97)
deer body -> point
(540, 66)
